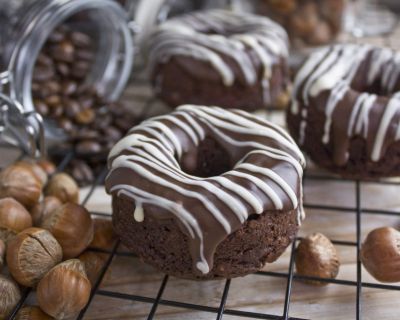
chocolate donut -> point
(205, 192)
(217, 57)
(346, 110)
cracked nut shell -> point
(94, 263)
(64, 290)
(14, 218)
(380, 254)
(31, 254)
(63, 187)
(316, 256)
(72, 226)
(104, 236)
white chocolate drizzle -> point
(216, 36)
(333, 72)
(145, 167)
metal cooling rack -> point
(148, 106)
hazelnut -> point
(20, 183)
(94, 263)
(64, 187)
(316, 256)
(64, 290)
(13, 218)
(37, 170)
(42, 209)
(380, 254)
(72, 226)
(31, 254)
(104, 236)
(48, 166)
(9, 296)
(2, 253)
(32, 313)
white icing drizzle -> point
(213, 35)
(224, 199)
(333, 70)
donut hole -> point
(212, 159)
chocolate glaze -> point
(354, 89)
(154, 166)
(222, 47)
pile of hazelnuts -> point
(317, 258)
(44, 239)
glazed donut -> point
(345, 112)
(205, 192)
(217, 57)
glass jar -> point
(27, 24)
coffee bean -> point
(56, 35)
(53, 87)
(64, 51)
(56, 111)
(86, 55)
(44, 60)
(71, 107)
(63, 69)
(66, 124)
(69, 87)
(41, 107)
(85, 134)
(80, 69)
(85, 116)
(80, 39)
(53, 100)
(86, 102)
(81, 172)
(42, 73)
(112, 134)
(104, 121)
(88, 146)
(124, 124)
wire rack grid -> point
(357, 210)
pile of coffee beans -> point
(92, 124)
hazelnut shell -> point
(2, 253)
(20, 183)
(48, 166)
(9, 297)
(13, 218)
(64, 290)
(42, 209)
(72, 226)
(94, 263)
(31, 254)
(316, 256)
(37, 170)
(63, 187)
(32, 313)
(104, 236)
(380, 254)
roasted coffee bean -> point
(104, 121)
(112, 134)
(85, 116)
(80, 40)
(63, 69)
(66, 124)
(53, 100)
(86, 102)
(56, 35)
(43, 73)
(56, 111)
(124, 124)
(53, 87)
(81, 172)
(80, 69)
(44, 60)
(71, 107)
(69, 87)
(88, 147)
(64, 51)
(41, 107)
(86, 55)
(86, 134)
